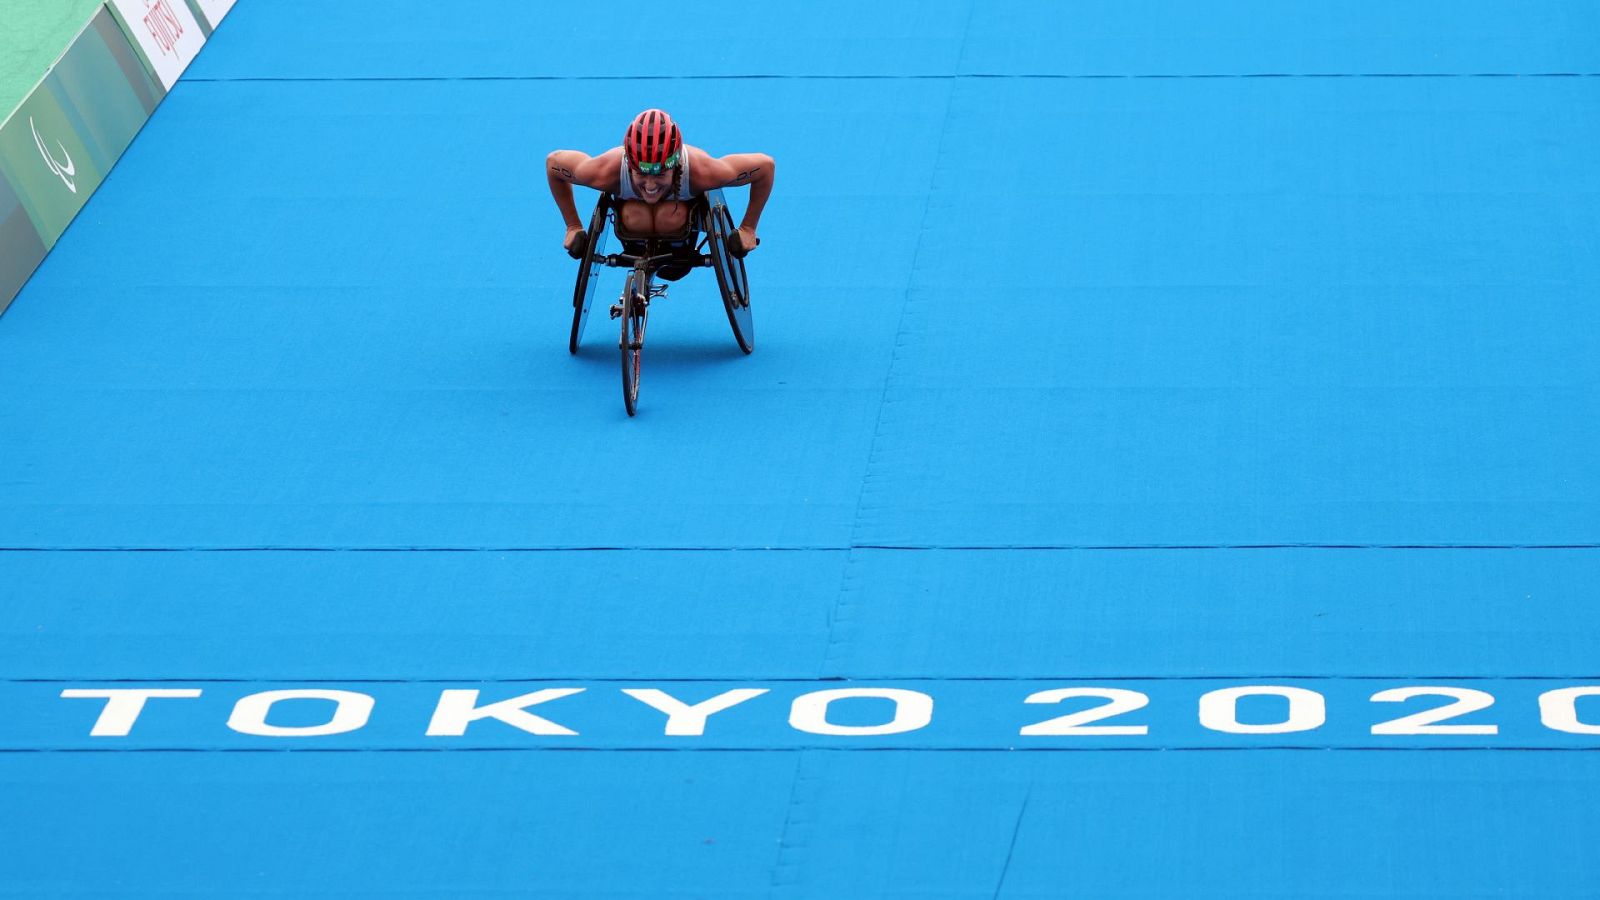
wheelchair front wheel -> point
(635, 312)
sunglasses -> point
(656, 168)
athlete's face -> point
(652, 188)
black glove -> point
(736, 245)
(580, 244)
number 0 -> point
(1219, 710)
(1558, 709)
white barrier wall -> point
(166, 32)
(214, 10)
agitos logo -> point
(63, 168)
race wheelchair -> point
(702, 243)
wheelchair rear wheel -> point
(635, 311)
(731, 278)
(583, 293)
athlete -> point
(656, 176)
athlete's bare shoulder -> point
(707, 172)
(603, 172)
(606, 171)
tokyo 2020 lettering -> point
(976, 713)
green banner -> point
(21, 251)
(58, 146)
(89, 81)
(32, 35)
(60, 143)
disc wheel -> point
(731, 278)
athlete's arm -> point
(757, 170)
(565, 168)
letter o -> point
(250, 713)
(1219, 710)
(912, 710)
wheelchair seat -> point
(688, 234)
(683, 242)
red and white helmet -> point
(652, 143)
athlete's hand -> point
(744, 240)
(574, 241)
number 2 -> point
(1466, 701)
(1118, 701)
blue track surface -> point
(1156, 347)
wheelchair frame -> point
(711, 223)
